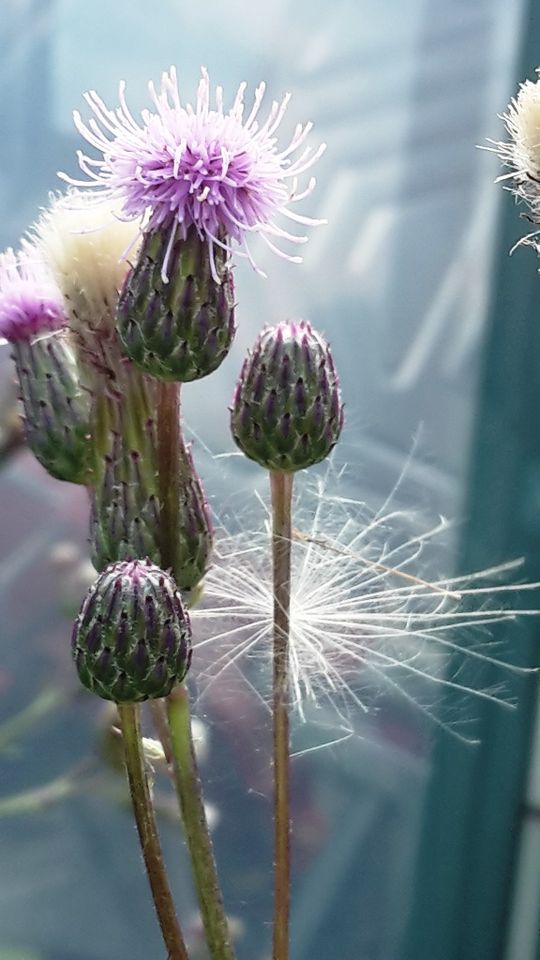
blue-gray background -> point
(401, 280)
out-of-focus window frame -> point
(478, 815)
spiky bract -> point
(180, 330)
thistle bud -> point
(32, 319)
(286, 412)
(176, 310)
(126, 501)
(56, 409)
(124, 519)
(132, 638)
(195, 536)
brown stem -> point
(281, 485)
(146, 826)
(170, 449)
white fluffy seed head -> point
(368, 618)
(523, 123)
(86, 246)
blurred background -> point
(408, 843)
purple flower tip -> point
(204, 167)
(30, 301)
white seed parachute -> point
(369, 618)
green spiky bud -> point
(56, 408)
(177, 325)
(195, 538)
(132, 638)
(124, 519)
(286, 412)
(126, 498)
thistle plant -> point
(287, 415)
(84, 243)
(125, 293)
(196, 181)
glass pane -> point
(399, 280)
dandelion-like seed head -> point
(85, 245)
(30, 301)
(365, 623)
(218, 171)
(522, 119)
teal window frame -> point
(474, 808)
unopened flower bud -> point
(56, 409)
(195, 536)
(126, 504)
(124, 520)
(177, 325)
(286, 412)
(132, 638)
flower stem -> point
(281, 485)
(170, 449)
(188, 787)
(172, 459)
(146, 826)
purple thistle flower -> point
(30, 301)
(203, 167)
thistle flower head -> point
(522, 152)
(132, 638)
(181, 166)
(286, 412)
(85, 245)
(30, 301)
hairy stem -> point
(189, 791)
(281, 485)
(146, 826)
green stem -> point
(172, 458)
(146, 826)
(281, 485)
(188, 787)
